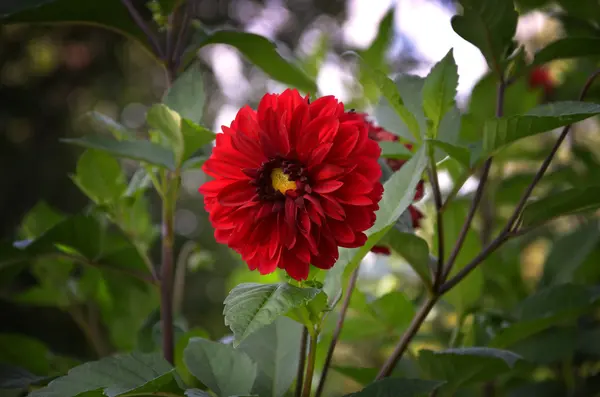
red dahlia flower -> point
(379, 134)
(293, 181)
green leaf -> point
(109, 14)
(115, 375)
(458, 153)
(24, 352)
(394, 309)
(563, 342)
(394, 150)
(439, 91)
(39, 219)
(100, 177)
(571, 201)
(464, 366)
(414, 250)
(553, 305)
(568, 47)
(186, 95)
(349, 259)
(225, 370)
(500, 132)
(469, 291)
(196, 393)
(399, 191)
(251, 306)
(17, 378)
(361, 375)
(168, 123)
(263, 54)
(276, 351)
(103, 123)
(145, 151)
(390, 92)
(194, 137)
(569, 252)
(490, 25)
(410, 88)
(392, 386)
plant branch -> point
(181, 36)
(337, 331)
(507, 231)
(137, 18)
(167, 267)
(310, 365)
(478, 193)
(301, 363)
(410, 333)
(437, 198)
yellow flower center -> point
(281, 182)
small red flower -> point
(293, 181)
(541, 77)
(379, 134)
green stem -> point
(167, 268)
(310, 363)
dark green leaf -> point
(276, 351)
(459, 153)
(262, 53)
(100, 177)
(439, 91)
(562, 343)
(225, 370)
(110, 14)
(549, 306)
(394, 309)
(500, 132)
(17, 378)
(186, 95)
(115, 375)
(464, 366)
(489, 25)
(395, 387)
(24, 352)
(145, 151)
(11, 6)
(363, 376)
(568, 47)
(251, 306)
(569, 252)
(414, 250)
(568, 202)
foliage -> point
(490, 321)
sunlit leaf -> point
(99, 176)
(251, 306)
(186, 95)
(439, 91)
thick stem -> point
(310, 363)
(337, 331)
(166, 281)
(301, 363)
(413, 328)
(437, 198)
